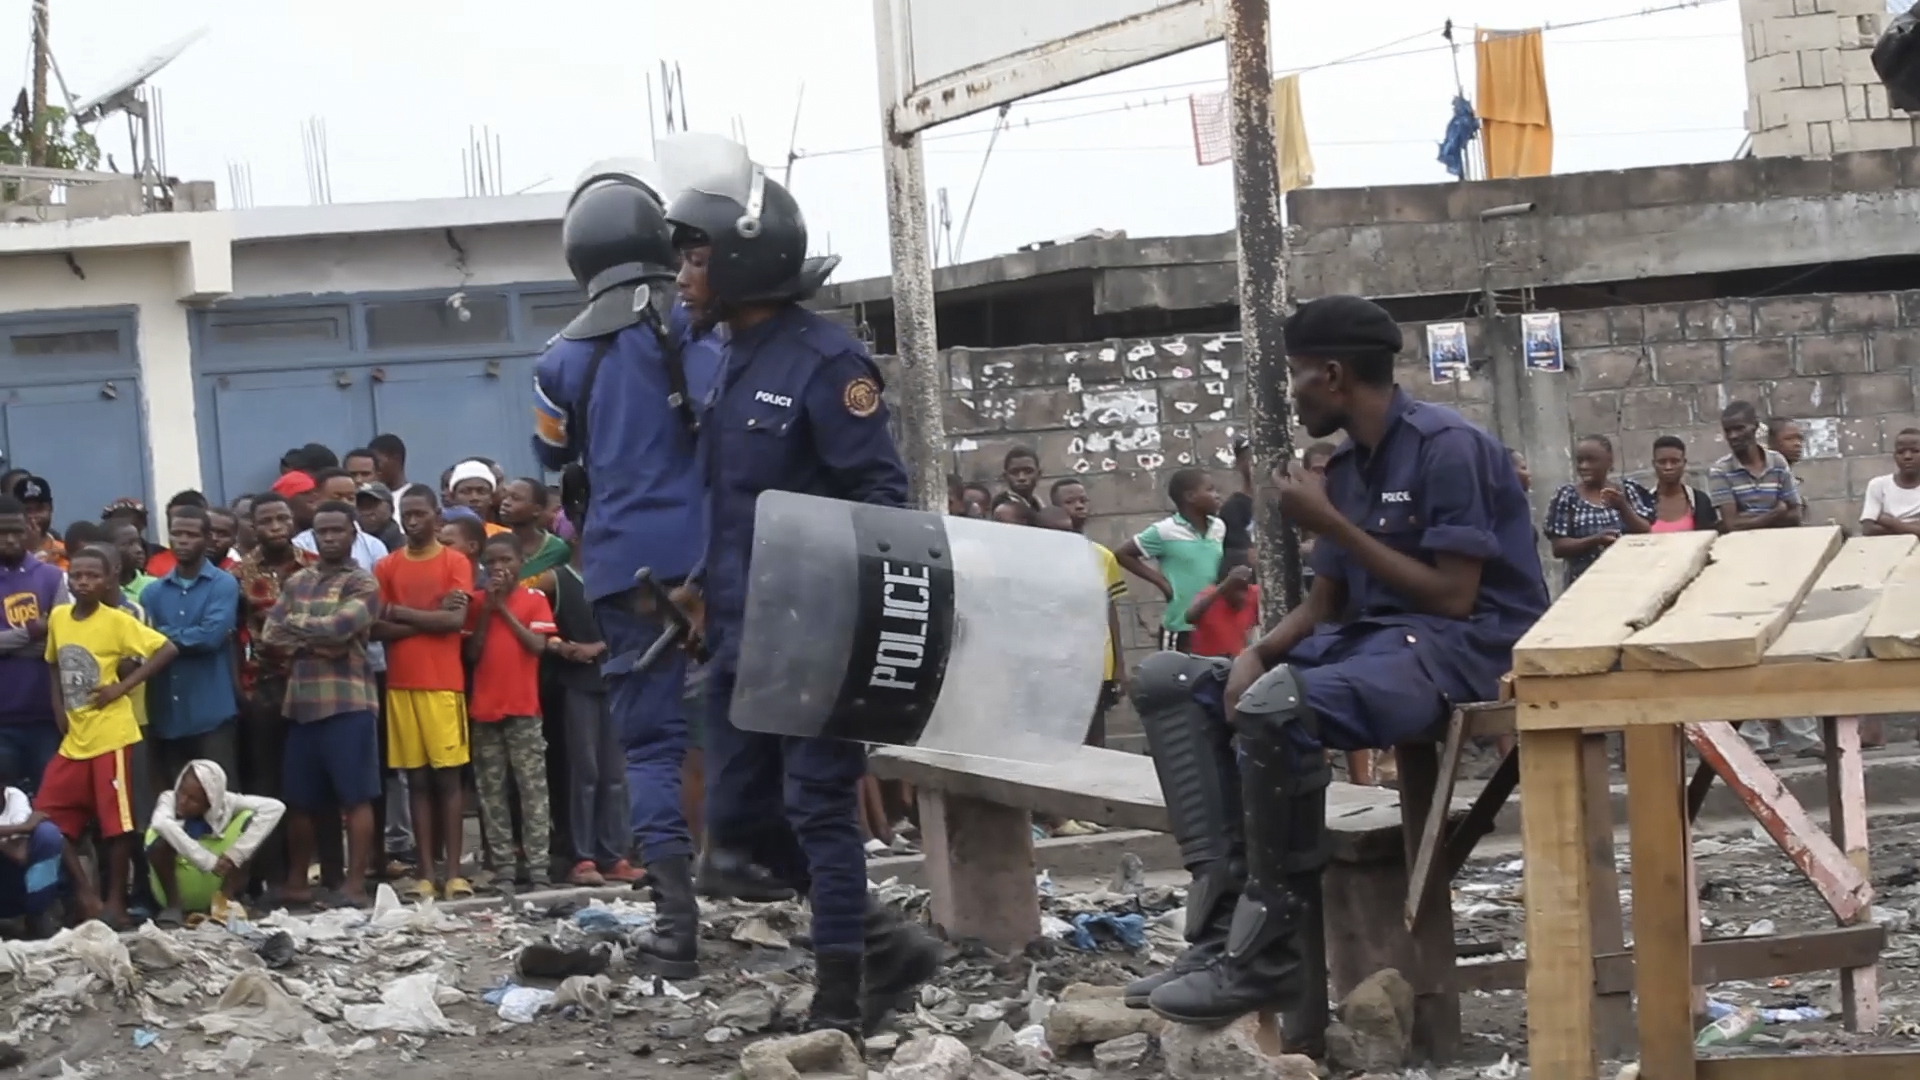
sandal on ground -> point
(459, 889)
(422, 891)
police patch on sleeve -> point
(861, 397)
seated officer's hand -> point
(693, 605)
(1247, 669)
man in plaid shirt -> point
(332, 705)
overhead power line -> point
(1378, 52)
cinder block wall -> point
(1843, 366)
(1121, 415)
(1811, 87)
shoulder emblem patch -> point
(861, 397)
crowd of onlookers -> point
(286, 681)
(1752, 486)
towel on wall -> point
(1516, 124)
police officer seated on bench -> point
(1423, 533)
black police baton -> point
(655, 597)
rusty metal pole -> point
(42, 59)
(1263, 313)
(1263, 293)
(922, 382)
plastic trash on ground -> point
(255, 1007)
(1732, 1029)
(1090, 927)
(521, 1004)
(408, 1006)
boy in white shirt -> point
(31, 849)
(1892, 503)
(201, 839)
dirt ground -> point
(749, 988)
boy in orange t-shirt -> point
(514, 629)
(424, 596)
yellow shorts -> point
(426, 729)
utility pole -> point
(37, 118)
(1263, 292)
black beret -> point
(1341, 326)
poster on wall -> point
(1540, 334)
(1447, 351)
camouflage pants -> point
(514, 746)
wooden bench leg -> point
(1436, 1004)
(980, 870)
(1847, 816)
(1612, 1012)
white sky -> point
(563, 82)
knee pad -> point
(1192, 756)
(1166, 680)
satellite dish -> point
(118, 94)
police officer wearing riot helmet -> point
(615, 401)
(1423, 531)
(798, 409)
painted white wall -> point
(165, 265)
(381, 262)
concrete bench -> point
(976, 830)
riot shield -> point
(909, 628)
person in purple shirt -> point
(29, 591)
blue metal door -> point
(258, 417)
(85, 438)
(452, 410)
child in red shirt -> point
(1224, 615)
(513, 631)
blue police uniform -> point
(647, 510)
(797, 409)
(1435, 485)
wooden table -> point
(1690, 629)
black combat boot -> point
(671, 946)
(900, 956)
(1192, 750)
(1210, 902)
(1283, 790)
(730, 875)
(836, 993)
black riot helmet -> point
(616, 233)
(757, 236)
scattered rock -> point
(1089, 992)
(749, 1010)
(1376, 1025)
(817, 1052)
(988, 1069)
(1119, 1055)
(1007, 1047)
(1081, 1022)
(1242, 1050)
(931, 1057)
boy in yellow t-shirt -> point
(1062, 519)
(90, 781)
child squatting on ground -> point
(202, 838)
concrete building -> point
(145, 354)
(1792, 283)
(1811, 87)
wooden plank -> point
(1436, 1007)
(1852, 1065)
(1847, 817)
(1763, 692)
(1738, 605)
(1831, 623)
(1479, 820)
(1717, 961)
(1426, 836)
(1625, 589)
(1559, 907)
(1662, 938)
(1894, 631)
(1613, 1026)
(1843, 886)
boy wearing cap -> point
(374, 501)
(299, 489)
(36, 496)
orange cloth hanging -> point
(1516, 126)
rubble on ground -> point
(529, 987)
